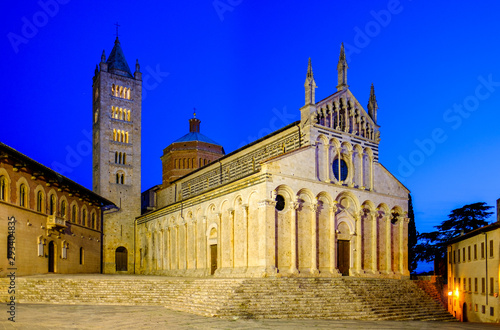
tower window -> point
(84, 218)
(280, 203)
(342, 176)
(92, 224)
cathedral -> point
(310, 199)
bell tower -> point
(117, 99)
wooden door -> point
(213, 258)
(121, 259)
(343, 255)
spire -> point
(103, 56)
(137, 66)
(117, 63)
(194, 123)
(372, 104)
(342, 70)
(310, 85)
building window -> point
(2, 188)
(492, 311)
(475, 308)
(449, 257)
(465, 284)
(81, 256)
(52, 206)
(39, 201)
(64, 252)
(22, 195)
(475, 284)
(63, 209)
(483, 309)
(454, 257)
(84, 217)
(463, 254)
(458, 252)
(492, 285)
(483, 285)
(482, 250)
(491, 249)
(124, 160)
(342, 176)
(470, 286)
(475, 251)
(468, 249)
(74, 213)
(93, 221)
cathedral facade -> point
(310, 199)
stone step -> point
(324, 298)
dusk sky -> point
(242, 65)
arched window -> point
(74, 213)
(128, 93)
(63, 209)
(120, 158)
(124, 158)
(117, 178)
(126, 137)
(84, 217)
(121, 114)
(92, 224)
(116, 157)
(113, 90)
(3, 187)
(39, 201)
(122, 178)
(81, 256)
(114, 134)
(52, 205)
(343, 169)
(128, 115)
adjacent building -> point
(49, 223)
(473, 274)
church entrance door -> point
(343, 252)
(121, 259)
(213, 258)
(51, 257)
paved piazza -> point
(34, 316)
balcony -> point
(55, 222)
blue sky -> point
(242, 65)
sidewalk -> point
(34, 316)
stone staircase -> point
(321, 298)
(431, 290)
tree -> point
(432, 245)
(412, 237)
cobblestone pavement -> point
(44, 316)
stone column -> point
(293, 236)
(204, 243)
(388, 244)
(374, 239)
(162, 251)
(326, 166)
(350, 174)
(370, 167)
(314, 238)
(333, 240)
(195, 243)
(267, 236)
(245, 225)
(231, 237)
(219, 242)
(359, 243)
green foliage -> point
(432, 246)
(412, 237)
